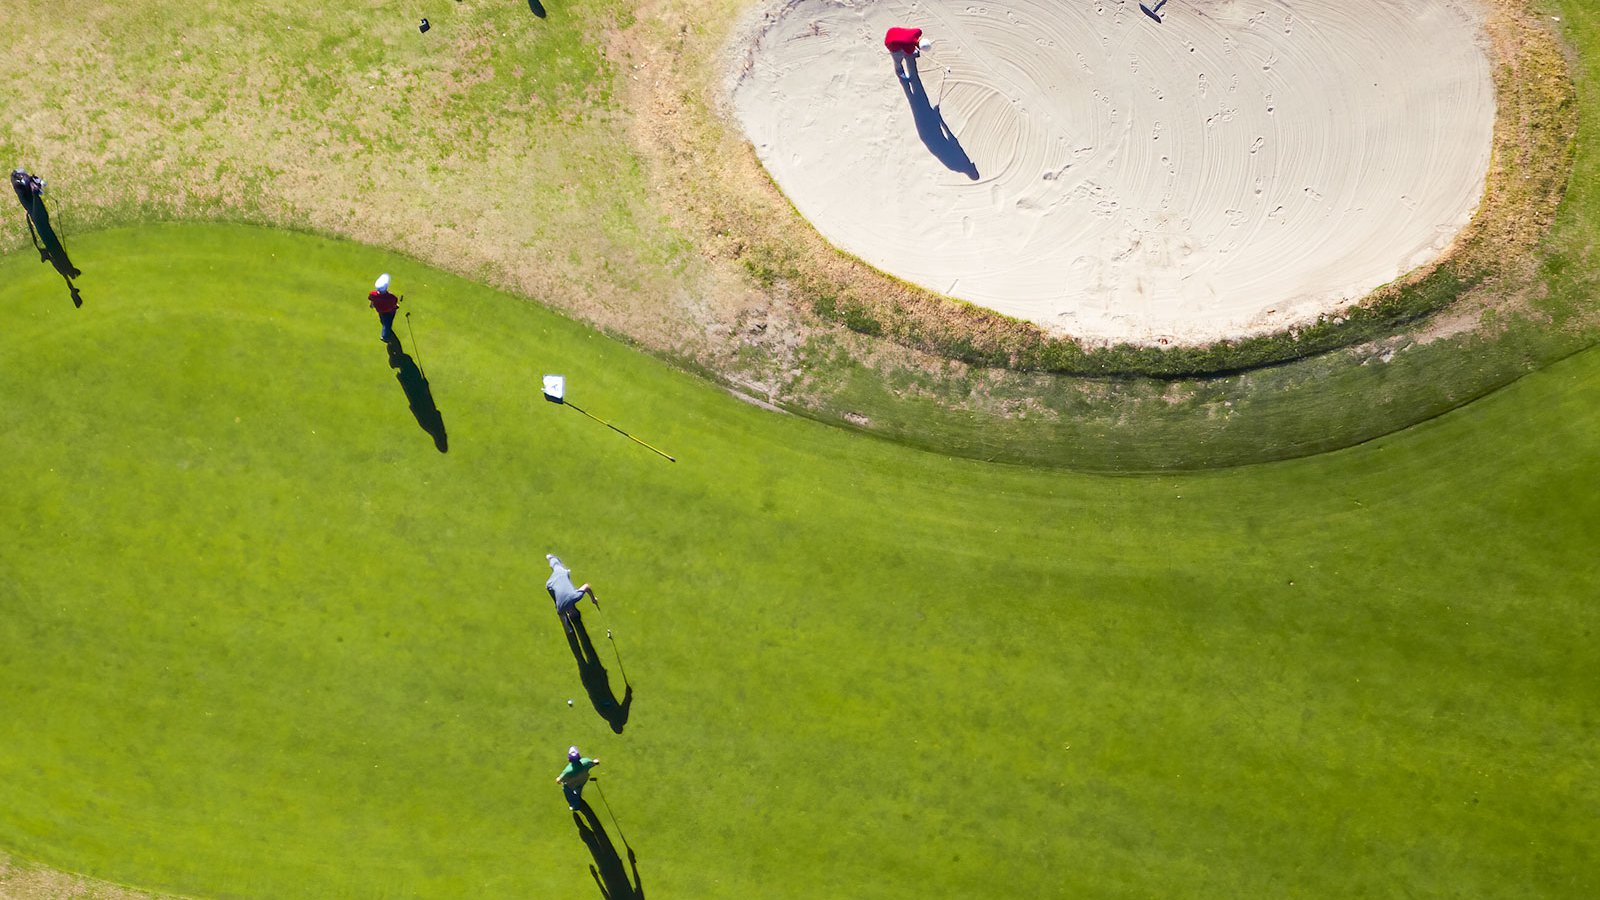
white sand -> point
(1241, 167)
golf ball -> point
(569, 702)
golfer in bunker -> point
(564, 594)
(904, 44)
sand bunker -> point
(1241, 166)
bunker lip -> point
(1233, 171)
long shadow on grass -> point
(595, 681)
(609, 873)
(419, 395)
(49, 245)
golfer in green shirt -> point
(575, 776)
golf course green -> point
(260, 637)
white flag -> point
(555, 388)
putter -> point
(414, 348)
(611, 812)
(620, 667)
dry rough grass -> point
(24, 881)
(489, 147)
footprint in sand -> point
(1255, 147)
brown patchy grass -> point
(491, 146)
(26, 881)
(1535, 141)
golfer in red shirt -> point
(903, 43)
(386, 304)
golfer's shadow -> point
(51, 249)
(418, 395)
(595, 681)
(610, 875)
(931, 126)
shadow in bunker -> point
(931, 126)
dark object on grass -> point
(419, 395)
(537, 8)
(555, 390)
(424, 26)
(30, 189)
(596, 683)
(610, 875)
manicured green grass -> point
(260, 639)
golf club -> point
(414, 348)
(605, 620)
(609, 811)
(55, 211)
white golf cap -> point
(383, 282)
